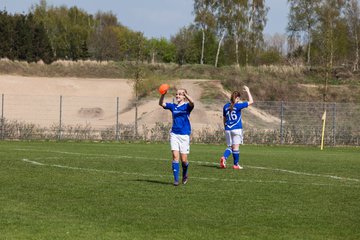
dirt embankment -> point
(102, 102)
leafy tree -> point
(41, 46)
(352, 15)
(84, 51)
(186, 50)
(223, 12)
(330, 21)
(57, 28)
(67, 29)
(161, 49)
(303, 18)
(126, 38)
(329, 18)
(244, 20)
(205, 19)
(103, 41)
(210, 48)
(257, 12)
(269, 57)
(104, 44)
(6, 36)
(22, 38)
(152, 47)
(229, 55)
(78, 32)
(238, 24)
(342, 42)
(138, 46)
(223, 21)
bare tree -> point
(276, 42)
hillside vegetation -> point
(268, 83)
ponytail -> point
(233, 97)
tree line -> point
(227, 32)
(325, 32)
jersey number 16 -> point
(231, 115)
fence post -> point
(117, 137)
(334, 124)
(60, 119)
(281, 122)
(2, 117)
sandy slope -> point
(150, 112)
(94, 101)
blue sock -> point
(227, 153)
(236, 156)
(176, 169)
(185, 168)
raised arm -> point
(190, 100)
(247, 90)
(161, 100)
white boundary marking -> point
(169, 176)
(307, 174)
(200, 163)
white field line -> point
(87, 169)
(200, 163)
(170, 176)
(306, 174)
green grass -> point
(124, 191)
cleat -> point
(237, 167)
(185, 179)
(222, 162)
(176, 183)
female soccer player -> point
(180, 132)
(233, 127)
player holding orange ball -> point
(180, 131)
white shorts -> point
(180, 143)
(234, 137)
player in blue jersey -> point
(180, 132)
(233, 127)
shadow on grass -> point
(154, 181)
(210, 166)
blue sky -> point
(155, 18)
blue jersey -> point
(180, 114)
(233, 118)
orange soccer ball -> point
(163, 88)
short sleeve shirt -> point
(233, 117)
(180, 114)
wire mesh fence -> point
(107, 119)
(302, 122)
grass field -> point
(68, 190)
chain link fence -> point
(302, 122)
(106, 119)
